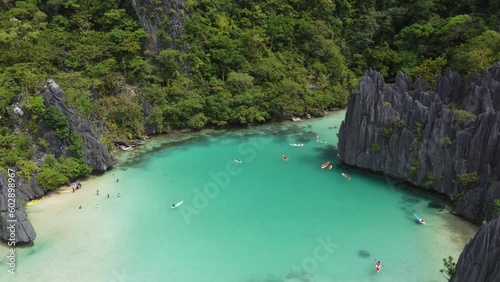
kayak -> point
(325, 165)
(346, 176)
(177, 204)
(419, 219)
(321, 141)
(297, 145)
(33, 202)
(238, 161)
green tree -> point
(57, 122)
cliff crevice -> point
(445, 140)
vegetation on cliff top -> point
(244, 62)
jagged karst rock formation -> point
(408, 133)
(95, 153)
(25, 191)
(163, 20)
(480, 258)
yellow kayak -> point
(30, 203)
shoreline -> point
(64, 229)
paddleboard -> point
(177, 204)
(346, 176)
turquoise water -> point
(263, 220)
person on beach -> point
(97, 191)
(117, 180)
(96, 206)
(73, 189)
(80, 207)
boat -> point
(325, 165)
(346, 175)
(320, 140)
(30, 203)
(419, 219)
(296, 144)
(125, 148)
(177, 204)
(238, 161)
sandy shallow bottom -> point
(262, 228)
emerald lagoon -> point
(264, 220)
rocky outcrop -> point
(164, 21)
(406, 132)
(95, 153)
(479, 260)
(24, 191)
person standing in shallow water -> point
(97, 191)
(119, 195)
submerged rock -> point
(364, 254)
(436, 205)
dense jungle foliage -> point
(241, 62)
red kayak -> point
(325, 165)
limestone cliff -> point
(25, 191)
(480, 259)
(95, 155)
(163, 20)
(94, 152)
(405, 132)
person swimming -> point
(330, 167)
(108, 195)
(119, 195)
(284, 158)
(378, 266)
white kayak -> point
(238, 161)
(177, 204)
(297, 145)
